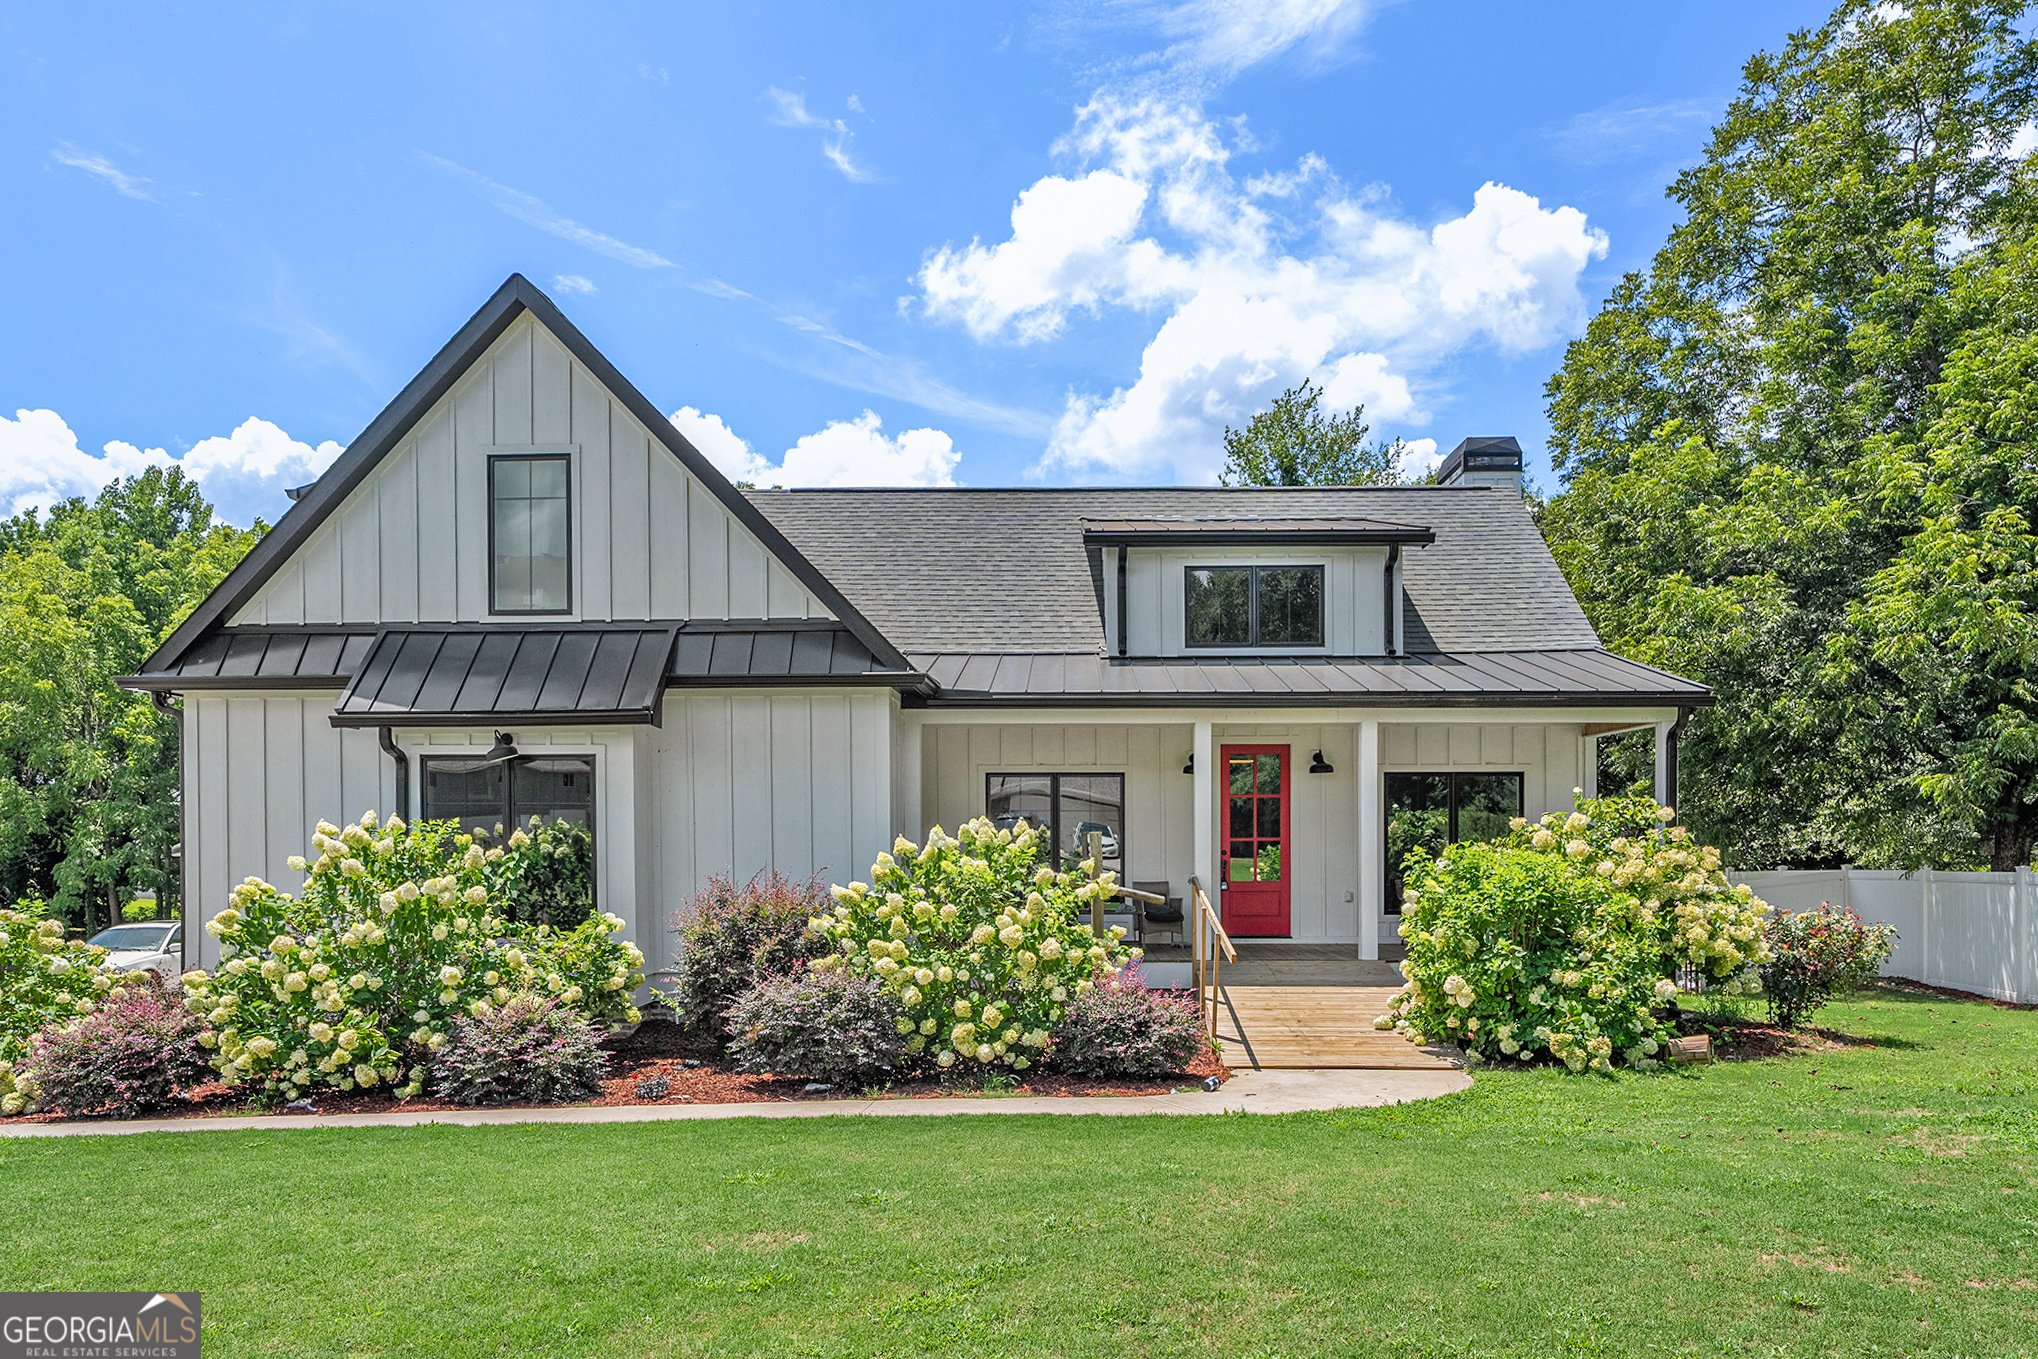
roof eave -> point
(1256, 537)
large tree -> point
(1748, 430)
(88, 771)
(1296, 442)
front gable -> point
(397, 531)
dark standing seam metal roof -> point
(427, 677)
(1006, 571)
(1512, 678)
(516, 296)
(1248, 530)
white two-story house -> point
(521, 592)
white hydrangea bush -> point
(399, 931)
(1564, 937)
(981, 942)
(45, 978)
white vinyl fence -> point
(1965, 931)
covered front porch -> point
(1293, 821)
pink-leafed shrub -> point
(530, 1049)
(127, 1058)
(733, 936)
(825, 1023)
(1118, 1028)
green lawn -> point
(1861, 1201)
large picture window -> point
(529, 547)
(1070, 806)
(1254, 606)
(496, 797)
(1428, 811)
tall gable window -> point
(529, 570)
(1255, 606)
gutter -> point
(1670, 754)
(1389, 615)
(387, 739)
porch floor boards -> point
(1314, 1026)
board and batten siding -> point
(410, 543)
(259, 772)
(1354, 596)
(756, 781)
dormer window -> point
(528, 537)
(1254, 606)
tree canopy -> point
(88, 771)
(1799, 456)
(1296, 442)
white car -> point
(145, 946)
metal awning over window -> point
(445, 677)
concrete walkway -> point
(1253, 1092)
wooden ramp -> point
(1314, 1026)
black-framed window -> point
(1070, 806)
(1253, 606)
(530, 549)
(1429, 811)
(499, 797)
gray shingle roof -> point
(1006, 571)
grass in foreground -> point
(1857, 1201)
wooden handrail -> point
(1220, 952)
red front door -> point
(1256, 858)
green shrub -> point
(1121, 1029)
(982, 944)
(551, 880)
(45, 979)
(731, 938)
(1561, 937)
(1817, 956)
(127, 1058)
(830, 1025)
(531, 1048)
(399, 933)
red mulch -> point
(658, 1048)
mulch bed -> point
(659, 1048)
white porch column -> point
(908, 812)
(1663, 762)
(1203, 757)
(1588, 765)
(1372, 839)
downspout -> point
(161, 700)
(1670, 754)
(1388, 601)
(387, 739)
(1121, 601)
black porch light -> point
(1319, 765)
(504, 749)
(1190, 767)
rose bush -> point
(1818, 955)
(1563, 936)
(398, 933)
(982, 944)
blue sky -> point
(234, 232)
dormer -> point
(1251, 585)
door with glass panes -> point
(1257, 865)
(1425, 812)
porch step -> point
(1299, 1026)
(1348, 972)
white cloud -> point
(535, 212)
(1624, 130)
(1419, 457)
(104, 170)
(1220, 38)
(846, 453)
(789, 109)
(41, 463)
(572, 283)
(1263, 283)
